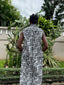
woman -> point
(32, 53)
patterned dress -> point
(32, 56)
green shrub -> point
(51, 32)
(49, 28)
(14, 73)
(13, 58)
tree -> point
(8, 13)
(51, 7)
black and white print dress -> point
(32, 56)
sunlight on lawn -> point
(2, 62)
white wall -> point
(3, 40)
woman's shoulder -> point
(40, 29)
(26, 28)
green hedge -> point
(14, 73)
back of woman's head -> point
(34, 19)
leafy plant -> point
(52, 32)
(8, 13)
(49, 28)
(13, 58)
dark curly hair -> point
(34, 19)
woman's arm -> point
(20, 41)
(44, 42)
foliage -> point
(52, 32)
(49, 28)
(51, 7)
(8, 13)
(13, 58)
(49, 60)
(61, 64)
(19, 23)
(14, 73)
(13, 55)
(2, 62)
(9, 73)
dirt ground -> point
(59, 58)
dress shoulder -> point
(23, 31)
(41, 31)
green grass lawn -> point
(2, 62)
(61, 64)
